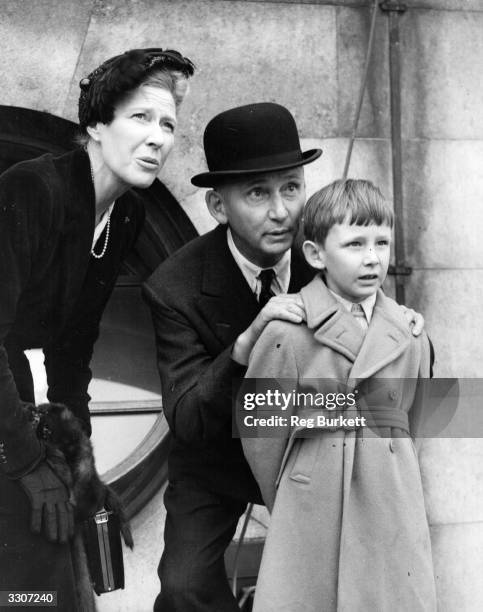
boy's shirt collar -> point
(367, 304)
(250, 271)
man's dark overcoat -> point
(201, 303)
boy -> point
(348, 528)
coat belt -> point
(387, 417)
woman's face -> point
(135, 145)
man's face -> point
(263, 213)
(356, 258)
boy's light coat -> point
(348, 529)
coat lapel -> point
(226, 300)
(332, 325)
(387, 338)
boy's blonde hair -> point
(353, 201)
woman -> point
(66, 223)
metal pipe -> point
(394, 8)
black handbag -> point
(102, 541)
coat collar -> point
(387, 337)
(332, 325)
(74, 169)
(221, 275)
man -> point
(210, 301)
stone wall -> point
(309, 56)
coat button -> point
(393, 395)
(391, 445)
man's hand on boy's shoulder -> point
(284, 307)
(415, 320)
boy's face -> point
(262, 211)
(356, 259)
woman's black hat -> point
(251, 139)
(103, 87)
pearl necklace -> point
(106, 239)
(107, 228)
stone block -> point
(450, 301)
(452, 471)
(370, 160)
(446, 5)
(253, 62)
(443, 183)
(353, 27)
(442, 63)
(195, 207)
(456, 5)
(245, 52)
(40, 46)
(185, 160)
(458, 565)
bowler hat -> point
(250, 139)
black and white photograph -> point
(241, 333)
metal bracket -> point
(400, 270)
(393, 5)
(101, 517)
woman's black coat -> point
(53, 292)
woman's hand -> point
(51, 510)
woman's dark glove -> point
(49, 496)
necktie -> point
(266, 277)
(358, 312)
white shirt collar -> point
(251, 271)
(102, 224)
(367, 304)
